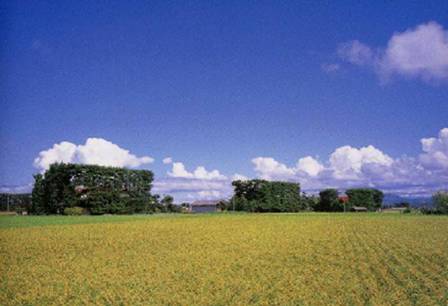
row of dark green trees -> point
(76, 189)
(269, 196)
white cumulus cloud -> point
(179, 170)
(61, 152)
(309, 165)
(435, 151)
(96, 151)
(188, 189)
(271, 169)
(268, 168)
(420, 52)
(347, 161)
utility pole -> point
(7, 202)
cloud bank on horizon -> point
(420, 53)
(368, 166)
(346, 167)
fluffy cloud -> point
(347, 162)
(309, 165)
(198, 184)
(202, 173)
(179, 170)
(62, 152)
(435, 150)
(187, 189)
(268, 168)
(96, 151)
(421, 52)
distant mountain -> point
(390, 199)
(20, 189)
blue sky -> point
(220, 84)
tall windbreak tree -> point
(266, 196)
(370, 198)
(440, 201)
(328, 201)
(97, 189)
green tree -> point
(440, 201)
(309, 202)
(266, 196)
(99, 189)
(224, 205)
(370, 198)
(168, 203)
(37, 195)
(329, 201)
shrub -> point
(73, 211)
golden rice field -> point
(225, 259)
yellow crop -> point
(263, 259)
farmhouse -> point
(204, 206)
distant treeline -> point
(81, 189)
(15, 202)
(272, 196)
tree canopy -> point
(370, 198)
(440, 201)
(96, 188)
(329, 201)
(266, 196)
